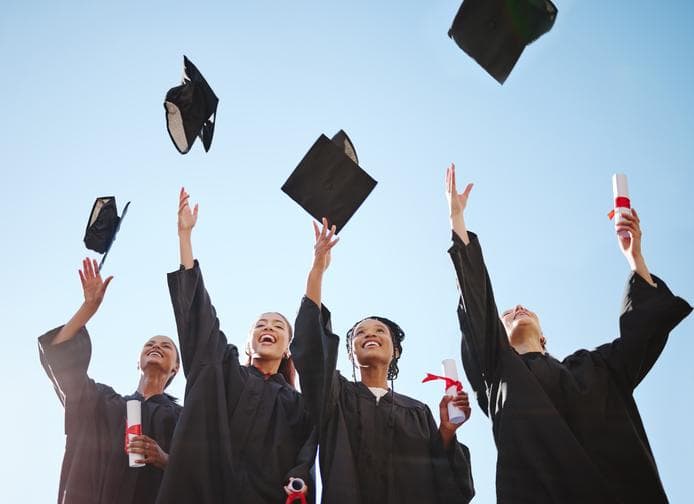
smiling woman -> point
(268, 343)
(95, 467)
(375, 445)
(234, 415)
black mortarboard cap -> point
(495, 32)
(191, 109)
(102, 226)
(328, 182)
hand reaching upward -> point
(456, 204)
(186, 217)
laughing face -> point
(160, 351)
(519, 320)
(372, 343)
(269, 337)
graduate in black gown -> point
(376, 446)
(566, 431)
(95, 467)
(244, 433)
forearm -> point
(78, 320)
(458, 226)
(638, 265)
(186, 249)
(447, 436)
(314, 285)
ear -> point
(543, 341)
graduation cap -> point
(495, 32)
(328, 182)
(190, 110)
(102, 226)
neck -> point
(374, 376)
(266, 366)
(526, 341)
(152, 384)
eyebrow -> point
(272, 321)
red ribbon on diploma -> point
(296, 496)
(132, 429)
(450, 382)
(620, 202)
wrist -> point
(185, 233)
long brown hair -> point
(287, 368)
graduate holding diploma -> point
(245, 434)
(566, 431)
(95, 467)
(376, 446)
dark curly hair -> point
(396, 335)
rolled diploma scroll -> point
(620, 189)
(455, 414)
(134, 425)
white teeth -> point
(267, 338)
(155, 352)
(370, 344)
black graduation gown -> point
(566, 431)
(382, 452)
(240, 436)
(95, 466)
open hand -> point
(93, 286)
(323, 246)
(456, 201)
(186, 217)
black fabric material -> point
(241, 436)
(197, 105)
(95, 466)
(566, 431)
(100, 234)
(328, 182)
(383, 452)
(495, 32)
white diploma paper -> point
(455, 415)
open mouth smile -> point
(267, 338)
(155, 352)
(371, 344)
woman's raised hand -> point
(93, 286)
(325, 241)
(456, 201)
(186, 217)
(456, 204)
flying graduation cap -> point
(190, 110)
(102, 226)
(495, 32)
(328, 182)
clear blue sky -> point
(608, 89)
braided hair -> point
(396, 336)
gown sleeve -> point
(201, 340)
(314, 349)
(452, 467)
(66, 366)
(304, 464)
(648, 315)
(483, 334)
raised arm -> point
(200, 337)
(65, 351)
(483, 334)
(649, 312)
(314, 347)
(186, 223)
